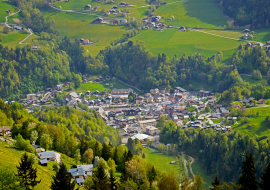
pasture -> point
(79, 26)
(102, 86)
(9, 157)
(196, 168)
(162, 161)
(171, 42)
(5, 5)
(257, 126)
(11, 39)
(193, 13)
(251, 80)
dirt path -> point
(190, 168)
(58, 157)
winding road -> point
(30, 33)
(6, 23)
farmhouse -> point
(8, 11)
(245, 36)
(87, 6)
(49, 155)
(261, 101)
(37, 148)
(115, 22)
(6, 129)
(98, 20)
(123, 4)
(43, 162)
(123, 20)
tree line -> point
(249, 12)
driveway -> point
(58, 157)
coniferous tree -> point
(265, 178)
(112, 179)
(100, 180)
(62, 180)
(27, 172)
(247, 179)
(124, 176)
(216, 184)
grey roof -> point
(43, 161)
(76, 172)
(35, 146)
(119, 90)
(46, 155)
(74, 94)
(88, 168)
(79, 180)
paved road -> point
(6, 23)
(30, 33)
(29, 30)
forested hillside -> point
(68, 128)
(219, 153)
(254, 12)
(132, 63)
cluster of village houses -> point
(137, 119)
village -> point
(136, 115)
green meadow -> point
(5, 5)
(102, 86)
(79, 26)
(251, 80)
(196, 168)
(257, 126)
(162, 161)
(171, 42)
(9, 157)
(11, 39)
(193, 13)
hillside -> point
(9, 157)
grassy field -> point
(171, 42)
(5, 5)
(91, 86)
(261, 35)
(9, 157)
(193, 13)
(196, 168)
(78, 26)
(11, 39)
(250, 80)
(162, 161)
(102, 86)
(217, 120)
(257, 126)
